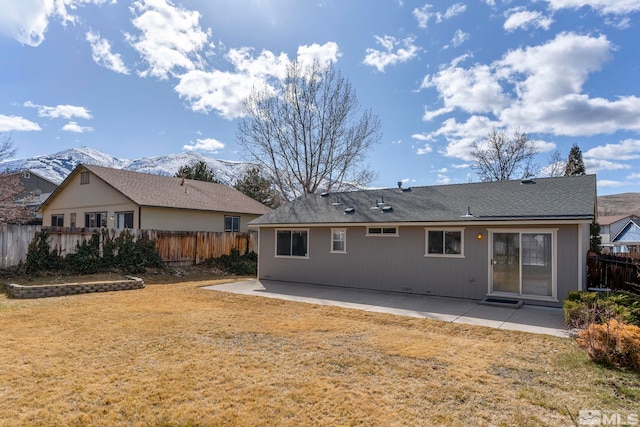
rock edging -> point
(45, 291)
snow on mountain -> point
(56, 167)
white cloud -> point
(520, 18)
(420, 137)
(225, 91)
(60, 111)
(325, 54)
(264, 65)
(459, 37)
(423, 15)
(102, 55)
(605, 7)
(537, 89)
(611, 183)
(11, 123)
(595, 165)
(76, 128)
(443, 170)
(544, 146)
(452, 11)
(171, 39)
(380, 59)
(206, 144)
(222, 91)
(426, 149)
(634, 176)
(474, 90)
(27, 20)
(443, 179)
(628, 149)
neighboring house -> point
(36, 190)
(94, 196)
(620, 233)
(524, 240)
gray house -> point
(521, 240)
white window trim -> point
(443, 229)
(554, 271)
(275, 251)
(344, 230)
(396, 234)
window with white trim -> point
(95, 219)
(444, 242)
(338, 240)
(292, 243)
(232, 223)
(124, 220)
(72, 220)
(382, 231)
(57, 220)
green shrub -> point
(234, 263)
(40, 257)
(101, 253)
(86, 259)
(583, 308)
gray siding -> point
(399, 264)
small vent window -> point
(382, 231)
(84, 178)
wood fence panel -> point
(614, 272)
(14, 243)
(175, 248)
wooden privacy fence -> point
(14, 243)
(175, 248)
(620, 273)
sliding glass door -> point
(523, 263)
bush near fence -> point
(176, 248)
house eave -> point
(464, 223)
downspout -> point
(139, 217)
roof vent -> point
(468, 214)
(325, 194)
(406, 190)
(387, 208)
(376, 206)
(349, 211)
(336, 203)
(527, 181)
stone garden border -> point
(45, 291)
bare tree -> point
(556, 165)
(12, 210)
(499, 157)
(312, 134)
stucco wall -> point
(399, 263)
(188, 220)
(83, 198)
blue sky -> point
(154, 77)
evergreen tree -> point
(575, 165)
(198, 171)
(254, 185)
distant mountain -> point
(56, 167)
(619, 204)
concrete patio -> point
(528, 318)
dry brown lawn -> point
(180, 355)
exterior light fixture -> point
(479, 236)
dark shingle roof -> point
(146, 189)
(539, 199)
